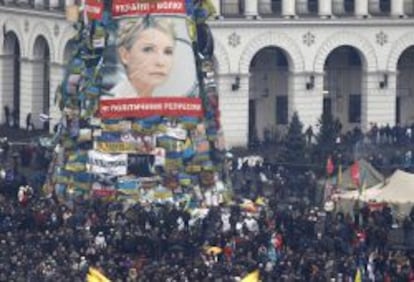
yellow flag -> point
(210, 8)
(95, 275)
(260, 201)
(91, 278)
(251, 277)
(363, 188)
(187, 143)
(358, 276)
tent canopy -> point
(345, 201)
(369, 194)
(399, 192)
(398, 189)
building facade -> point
(354, 58)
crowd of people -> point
(45, 239)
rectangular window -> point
(349, 6)
(354, 108)
(276, 6)
(282, 109)
(385, 6)
(327, 105)
(313, 6)
(398, 110)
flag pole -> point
(84, 12)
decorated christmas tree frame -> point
(140, 111)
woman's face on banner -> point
(149, 61)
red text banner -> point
(94, 9)
(151, 106)
(142, 7)
(103, 192)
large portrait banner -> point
(150, 55)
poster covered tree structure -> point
(139, 104)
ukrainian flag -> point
(95, 275)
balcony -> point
(39, 5)
(265, 8)
(232, 8)
(310, 8)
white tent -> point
(398, 192)
(369, 194)
(345, 201)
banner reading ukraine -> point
(142, 7)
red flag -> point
(355, 175)
(94, 9)
(329, 166)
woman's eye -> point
(148, 49)
(168, 51)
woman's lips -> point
(158, 74)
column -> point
(40, 3)
(338, 7)
(302, 7)
(374, 7)
(378, 104)
(53, 4)
(32, 91)
(397, 8)
(28, 87)
(288, 8)
(217, 5)
(251, 9)
(325, 8)
(361, 8)
(71, 11)
(56, 78)
(6, 85)
(306, 101)
(234, 109)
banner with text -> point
(94, 9)
(143, 7)
(107, 164)
(145, 107)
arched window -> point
(11, 94)
(343, 85)
(41, 53)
